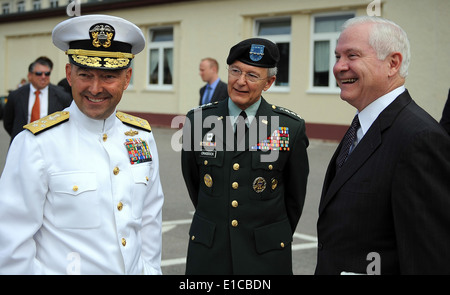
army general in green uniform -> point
(245, 165)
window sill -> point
(163, 88)
(323, 91)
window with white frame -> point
(161, 58)
(54, 3)
(5, 8)
(325, 33)
(278, 31)
(36, 4)
(21, 6)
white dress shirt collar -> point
(370, 113)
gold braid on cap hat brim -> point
(99, 53)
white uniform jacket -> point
(72, 202)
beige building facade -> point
(179, 34)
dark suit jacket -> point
(16, 109)
(445, 120)
(259, 241)
(392, 197)
(220, 93)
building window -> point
(161, 58)
(54, 3)
(36, 4)
(5, 8)
(325, 33)
(21, 6)
(279, 32)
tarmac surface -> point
(178, 209)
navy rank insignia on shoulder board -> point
(47, 122)
(134, 121)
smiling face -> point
(39, 81)
(97, 92)
(243, 92)
(359, 73)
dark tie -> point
(207, 98)
(242, 117)
(36, 110)
(348, 141)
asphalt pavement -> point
(178, 210)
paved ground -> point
(177, 210)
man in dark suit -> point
(248, 198)
(445, 120)
(215, 89)
(21, 102)
(386, 199)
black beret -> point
(257, 52)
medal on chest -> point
(278, 141)
(138, 150)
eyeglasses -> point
(40, 73)
(252, 77)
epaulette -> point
(134, 121)
(47, 122)
(286, 111)
(204, 106)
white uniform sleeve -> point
(23, 189)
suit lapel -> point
(359, 156)
(365, 148)
(51, 100)
(25, 100)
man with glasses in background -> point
(34, 100)
(247, 173)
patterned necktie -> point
(36, 110)
(348, 141)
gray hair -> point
(272, 71)
(385, 37)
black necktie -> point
(242, 118)
(348, 141)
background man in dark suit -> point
(249, 199)
(18, 109)
(385, 207)
(445, 120)
(215, 89)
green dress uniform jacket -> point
(246, 207)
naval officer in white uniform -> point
(81, 191)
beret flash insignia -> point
(256, 52)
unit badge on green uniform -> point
(208, 180)
(259, 184)
(138, 150)
(208, 146)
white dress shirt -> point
(71, 201)
(370, 113)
